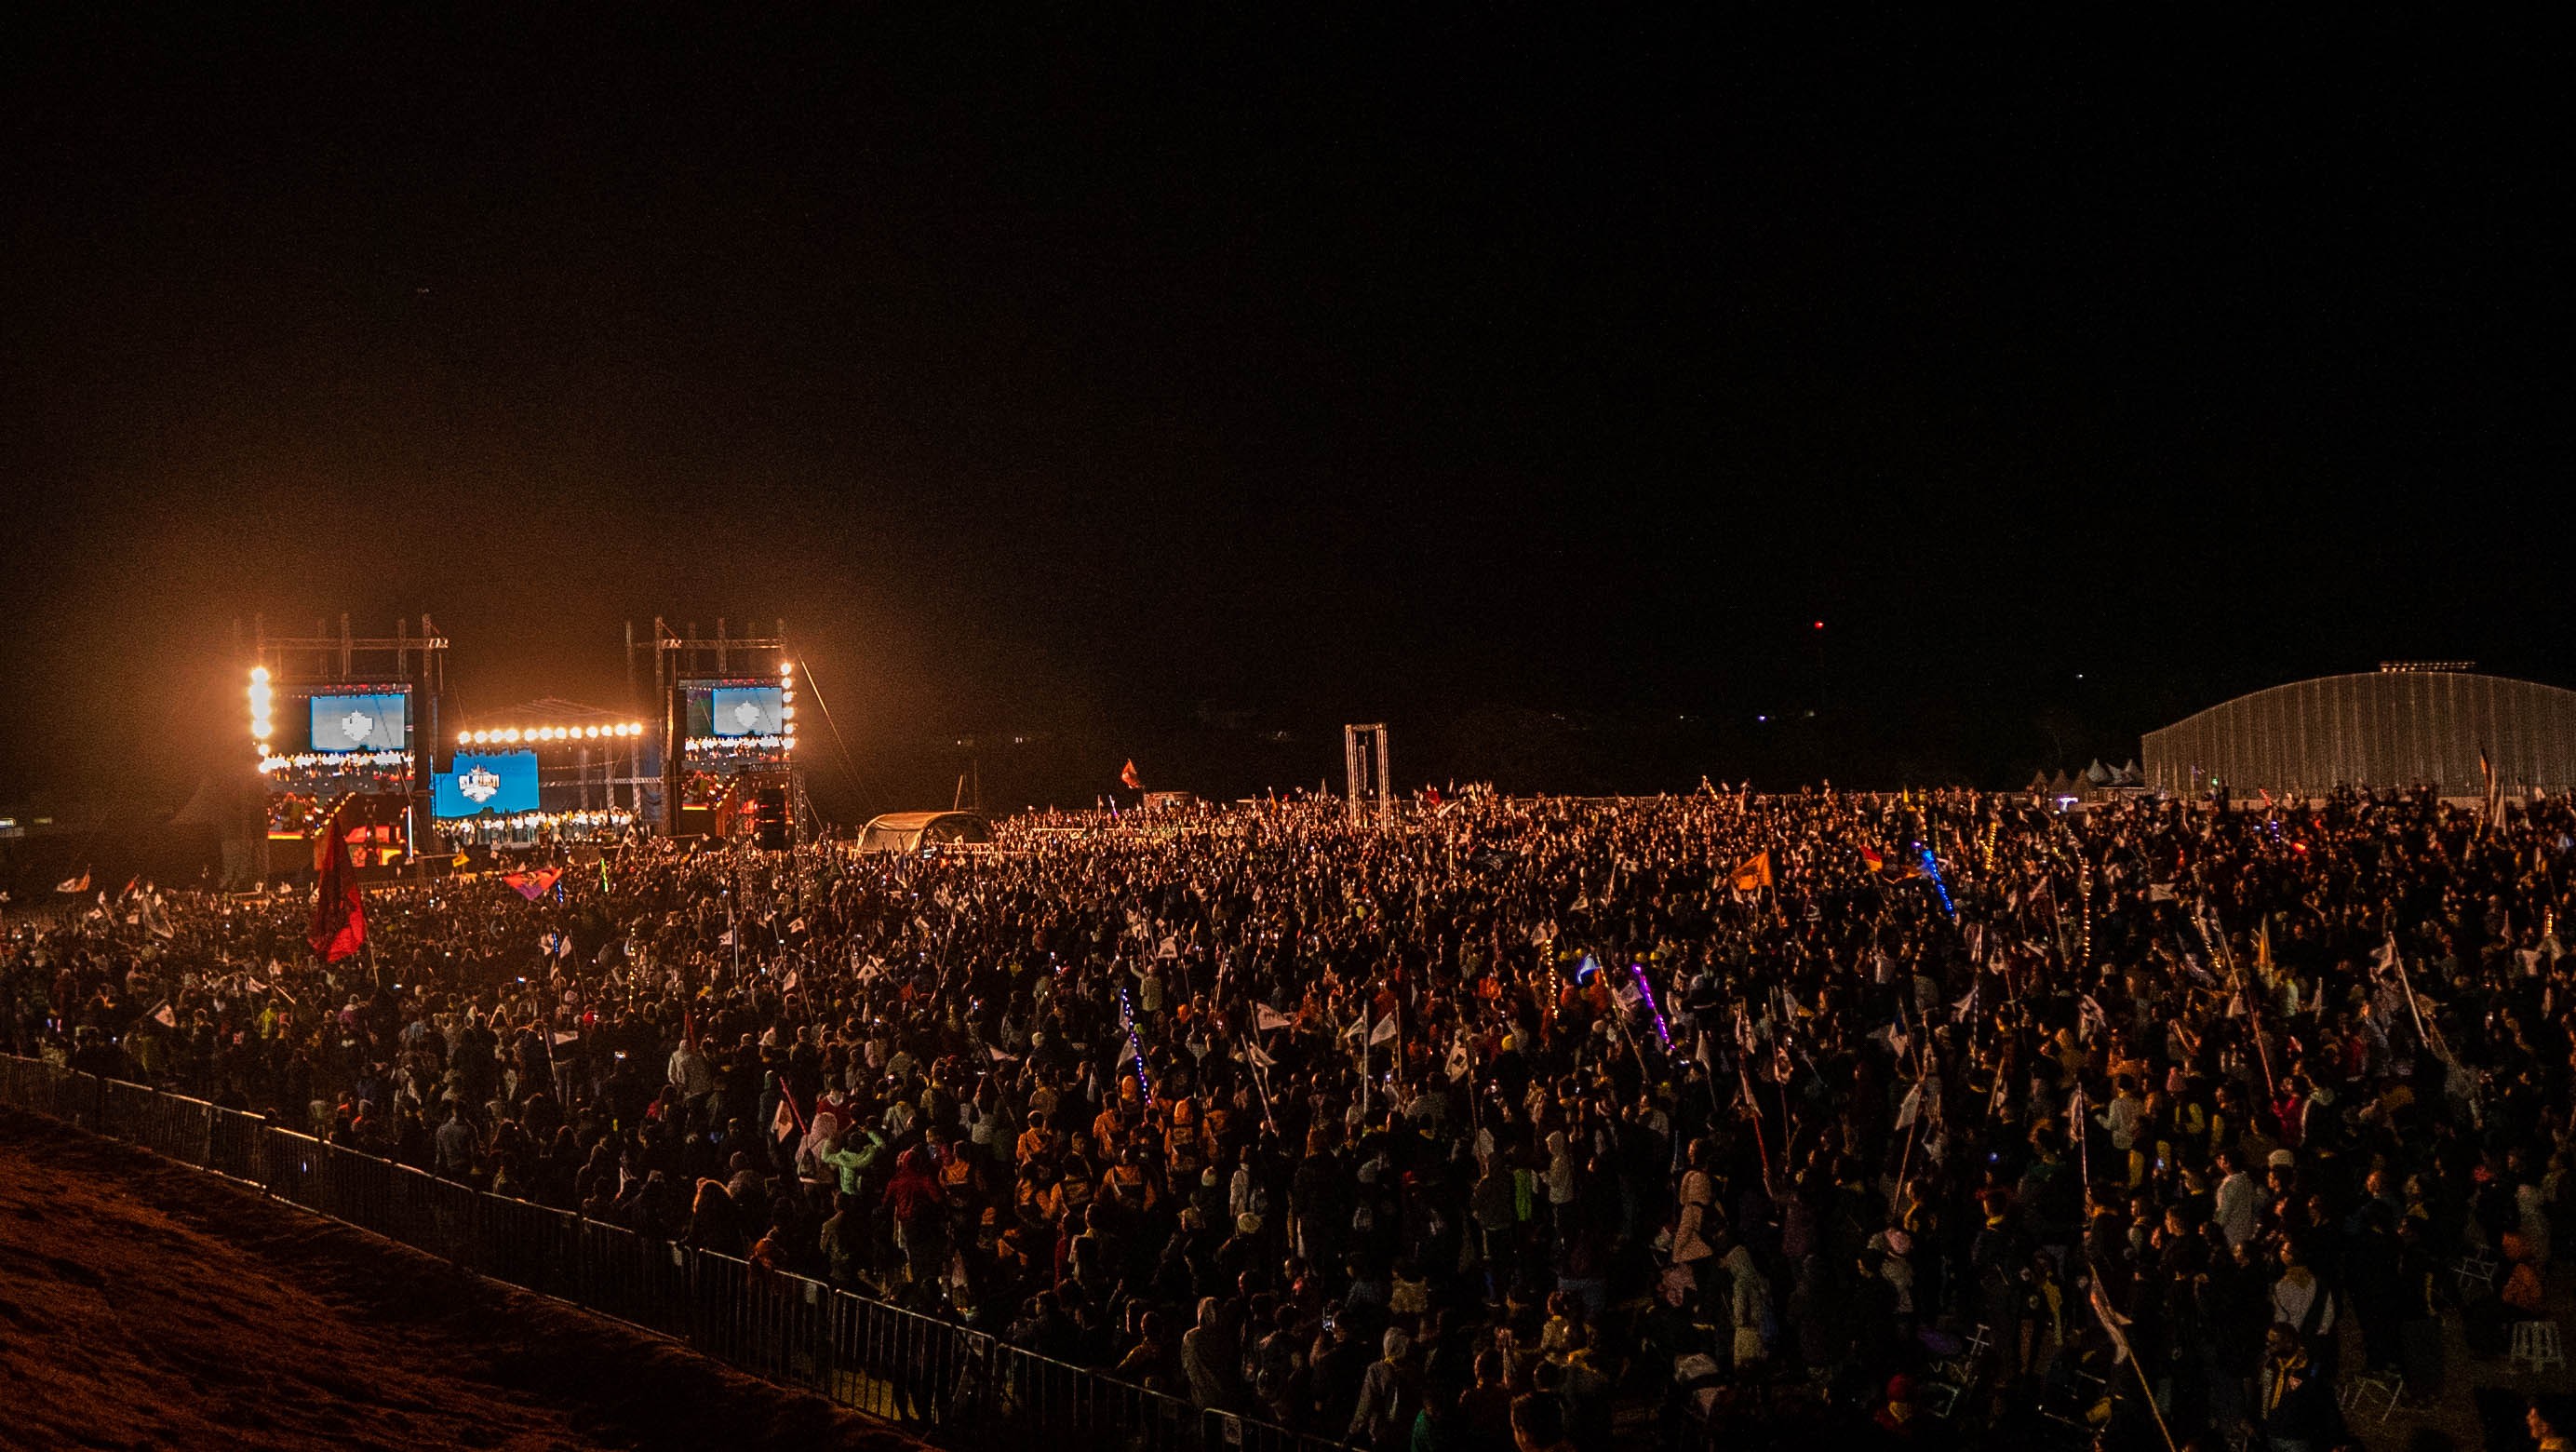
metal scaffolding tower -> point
(1364, 760)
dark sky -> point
(1094, 384)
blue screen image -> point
(747, 711)
(359, 723)
(499, 781)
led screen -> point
(499, 781)
(746, 711)
(359, 723)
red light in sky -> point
(1820, 625)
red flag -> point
(339, 916)
(534, 885)
(1128, 775)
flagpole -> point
(2102, 1310)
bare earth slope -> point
(145, 1305)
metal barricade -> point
(232, 1144)
(289, 1165)
(958, 1385)
(168, 1125)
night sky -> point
(1154, 392)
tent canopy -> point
(912, 831)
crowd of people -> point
(1926, 1118)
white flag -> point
(2089, 1016)
(1252, 1051)
(1912, 1106)
(1384, 1031)
(1460, 1065)
(1265, 1018)
(2111, 1320)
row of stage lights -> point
(513, 735)
(261, 730)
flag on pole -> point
(1384, 1031)
(74, 885)
(2089, 1016)
(1127, 775)
(164, 1016)
(1753, 873)
(534, 885)
(1460, 1064)
(1252, 1052)
(1913, 1106)
(783, 1123)
(1265, 1018)
(339, 914)
(999, 1057)
(2111, 1320)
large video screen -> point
(372, 722)
(746, 711)
(499, 781)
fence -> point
(950, 1384)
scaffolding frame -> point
(1364, 763)
(680, 657)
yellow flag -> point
(1753, 872)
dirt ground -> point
(145, 1305)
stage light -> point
(510, 734)
(464, 738)
(787, 713)
(590, 731)
(787, 695)
(259, 674)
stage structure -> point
(350, 724)
(548, 773)
(1364, 759)
(728, 735)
